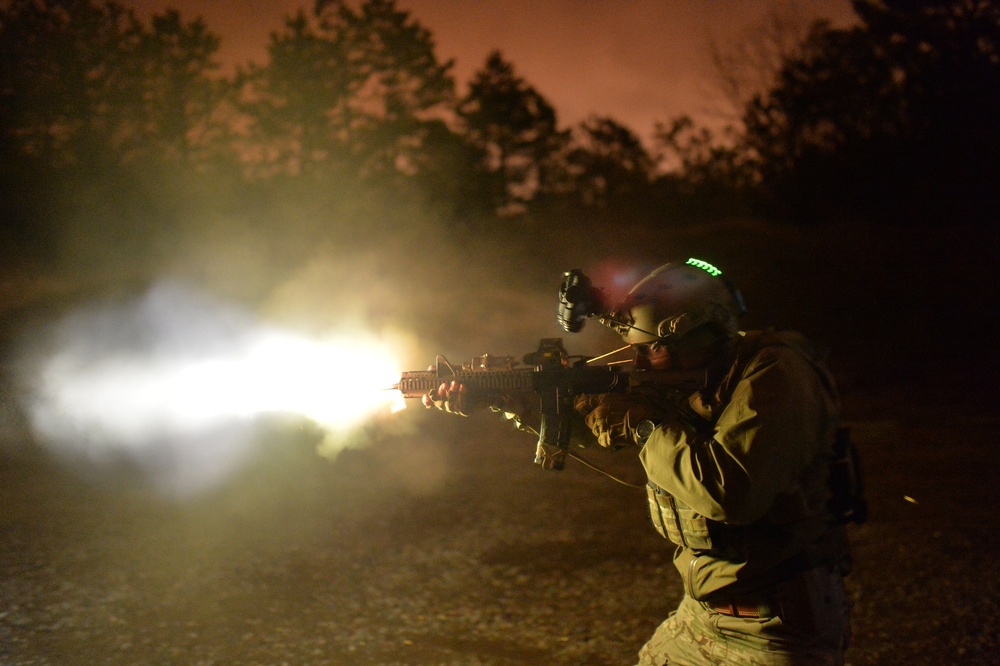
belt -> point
(734, 609)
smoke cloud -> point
(175, 383)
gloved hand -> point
(521, 409)
(452, 398)
(612, 417)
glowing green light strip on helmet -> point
(705, 266)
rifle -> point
(555, 378)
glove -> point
(452, 398)
(612, 417)
(521, 409)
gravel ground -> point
(446, 545)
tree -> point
(91, 102)
(516, 130)
(402, 91)
(59, 59)
(449, 180)
(291, 101)
(701, 157)
(609, 166)
(744, 67)
(83, 82)
(703, 173)
(346, 91)
(946, 65)
(898, 117)
(176, 115)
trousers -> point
(812, 629)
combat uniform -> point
(750, 477)
(739, 480)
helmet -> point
(673, 301)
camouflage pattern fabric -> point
(816, 632)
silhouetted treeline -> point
(897, 119)
(117, 132)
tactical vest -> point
(788, 530)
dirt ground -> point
(446, 545)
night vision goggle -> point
(579, 299)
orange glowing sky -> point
(638, 61)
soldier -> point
(748, 477)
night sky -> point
(638, 61)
